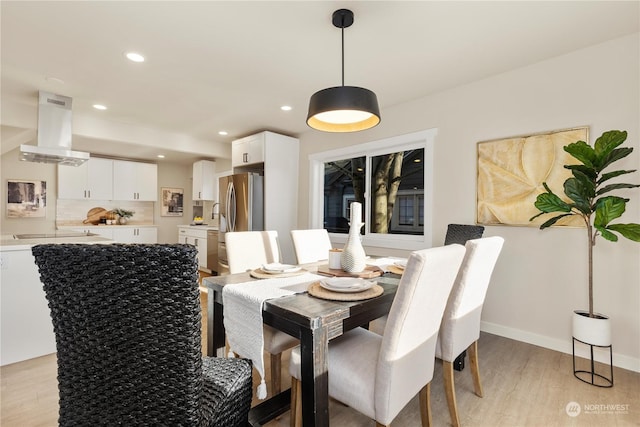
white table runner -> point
(243, 315)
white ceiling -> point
(230, 65)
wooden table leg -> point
(215, 326)
(314, 346)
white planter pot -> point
(592, 330)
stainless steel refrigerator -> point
(241, 209)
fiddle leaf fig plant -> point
(589, 195)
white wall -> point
(14, 169)
(541, 276)
(173, 176)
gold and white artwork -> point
(511, 172)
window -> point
(392, 178)
(343, 184)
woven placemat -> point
(319, 292)
(259, 273)
(395, 269)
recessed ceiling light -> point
(99, 107)
(286, 108)
(223, 133)
(161, 156)
(135, 57)
(54, 80)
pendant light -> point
(343, 108)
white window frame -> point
(423, 139)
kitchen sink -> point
(52, 235)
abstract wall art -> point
(511, 172)
(172, 201)
(26, 199)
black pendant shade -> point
(343, 108)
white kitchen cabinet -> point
(123, 234)
(249, 150)
(135, 181)
(279, 154)
(27, 330)
(204, 180)
(92, 180)
(206, 240)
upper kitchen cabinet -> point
(249, 150)
(91, 180)
(135, 181)
(204, 180)
(276, 158)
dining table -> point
(314, 321)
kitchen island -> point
(26, 328)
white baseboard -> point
(563, 346)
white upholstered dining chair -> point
(460, 329)
(378, 375)
(456, 233)
(311, 245)
(248, 250)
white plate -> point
(277, 268)
(346, 284)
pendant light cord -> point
(342, 50)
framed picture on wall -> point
(26, 199)
(511, 172)
(172, 201)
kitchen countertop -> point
(128, 225)
(200, 227)
(10, 243)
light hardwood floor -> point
(524, 385)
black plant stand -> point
(591, 375)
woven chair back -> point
(460, 233)
(128, 332)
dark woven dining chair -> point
(460, 233)
(127, 322)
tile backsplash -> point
(73, 212)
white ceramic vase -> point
(353, 257)
(592, 330)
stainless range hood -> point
(54, 133)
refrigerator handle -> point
(231, 206)
(227, 207)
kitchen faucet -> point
(213, 212)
